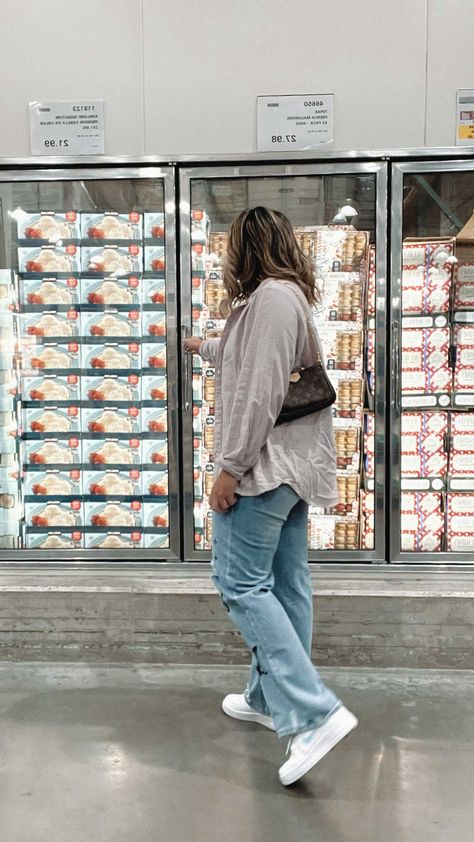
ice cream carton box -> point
(153, 225)
(154, 291)
(45, 260)
(112, 292)
(154, 388)
(155, 515)
(9, 478)
(8, 447)
(154, 356)
(112, 259)
(111, 323)
(113, 514)
(155, 483)
(154, 452)
(52, 540)
(48, 226)
(111, 226)
(54, 514)
(50, 324)
(53, 483)
(51, 388)
(113, 539)
(154, 419)
(112, 356)
(460, 518)
(156, 541)
(155, 259)
(422, 521)
(52, 451)
(112, 482)
(46, 292)
(111, 421)
(111, 451)
(9, 520)
(52, 419)
(49, 356)
(461, 459)
(423, 444)
(200, 226)
(154, 325)
(112, 388)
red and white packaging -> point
(425, 360)
(371, 284)
(369, 445)
(461, 459)
(464, 286)
(321, 532)
(460, 514)
(367, 508)
(423, 444)
(427, 275)
(422, 521)
(464, 367)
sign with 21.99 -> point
(294, 122)
(67, 128)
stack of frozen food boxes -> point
(92, 360)
(9, 463)
(437, 392)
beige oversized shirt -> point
(263, 342)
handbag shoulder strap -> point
(309, 322)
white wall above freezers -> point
(450, 65)
(205, 64)
(62, 49)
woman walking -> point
(266, 477)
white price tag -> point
(294, 122)
(465, 117)
(67, 128)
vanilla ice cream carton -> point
(54, 539)
(154, 355)
(54, 514)
(49, 260)
(111, 388)
(154, 388)
(112, 482)
(111, 421)
(154, 420)
(111, 323)
(154, 452)
(110, 226)
(51, 388)
(156, 514)
(113, 514)
(112, 291)
(112, 451)
(155, 259)
(112, 356)
(53, 483)
(155, 483)
(47, 292)
(49, 356)
(113, 539)
(154, 291)
(156, 541)
(112, 260)
(50, 324)
(52, 451)
(47, 226)
(153, 225)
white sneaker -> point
(235, 705)
(307, 748)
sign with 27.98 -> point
(294, 122)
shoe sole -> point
(248, 717)
(331, 733)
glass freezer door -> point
(88, 442)
(339, 217)
(433, 347)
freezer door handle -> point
(186, 363)
(397, 400)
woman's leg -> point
(292, 588)
(245, 542)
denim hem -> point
(257, 710)
(311, 724)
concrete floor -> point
(144, 754)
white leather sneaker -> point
(307, 748)
(235, 705)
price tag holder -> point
(67, 128)
(465, 117)
(294, 122)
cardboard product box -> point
(218, 241)
(464, 286)
(156, 514)
(464, 251)
(113, 514)
(9, 488)
(111, 292)
(423, 444)
(54, 539)
(155, 259)
(156, 541)
(51, 388)
(425, 360)
(114, 539)
(371, 284)
(111, 323)
(340, 298)
(153, 225)
(50, 324)
(154, 324)
(154, 356)
(112, 259)
(426, 290)
(49, 355)
(54, 514)
(349, 390)
(53, 483)
(111, 388)
(155, 483)
(460, 519)
(111, 420)
(436, 252)
(111, 226)
(369, 445)
(461, 457)
(46, 260)
(370, 356)
(422, 521)
(464, 365)
(52, 451)
(346, 534)
(155, 452)
(112, 483)
(321, 530)
(154, 291)
(112, 356)
(340, 249)
(45, 292)
(342, 349)
(154, 419)
(367, 507)
(48, 226)
(154, 387)
(111, 451)
(348, 449)
(348, 486)
(200, 226)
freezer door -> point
(88, 363)
(432, 316)
(338, 212)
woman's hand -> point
(192, 344)
(223, 493)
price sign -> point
(67, 128)
(465, 117)
(294, 122)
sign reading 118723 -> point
(294, 122)
(67, 128)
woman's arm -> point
(268, 357)
(209, 350)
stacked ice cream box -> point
(10, 511)
(91, 297)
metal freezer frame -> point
(349, 167)
(81, 559)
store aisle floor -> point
(92, 753)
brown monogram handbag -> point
(310, 389)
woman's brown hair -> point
(262, 245)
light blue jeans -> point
(260, 568)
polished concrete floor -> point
(144, 754)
